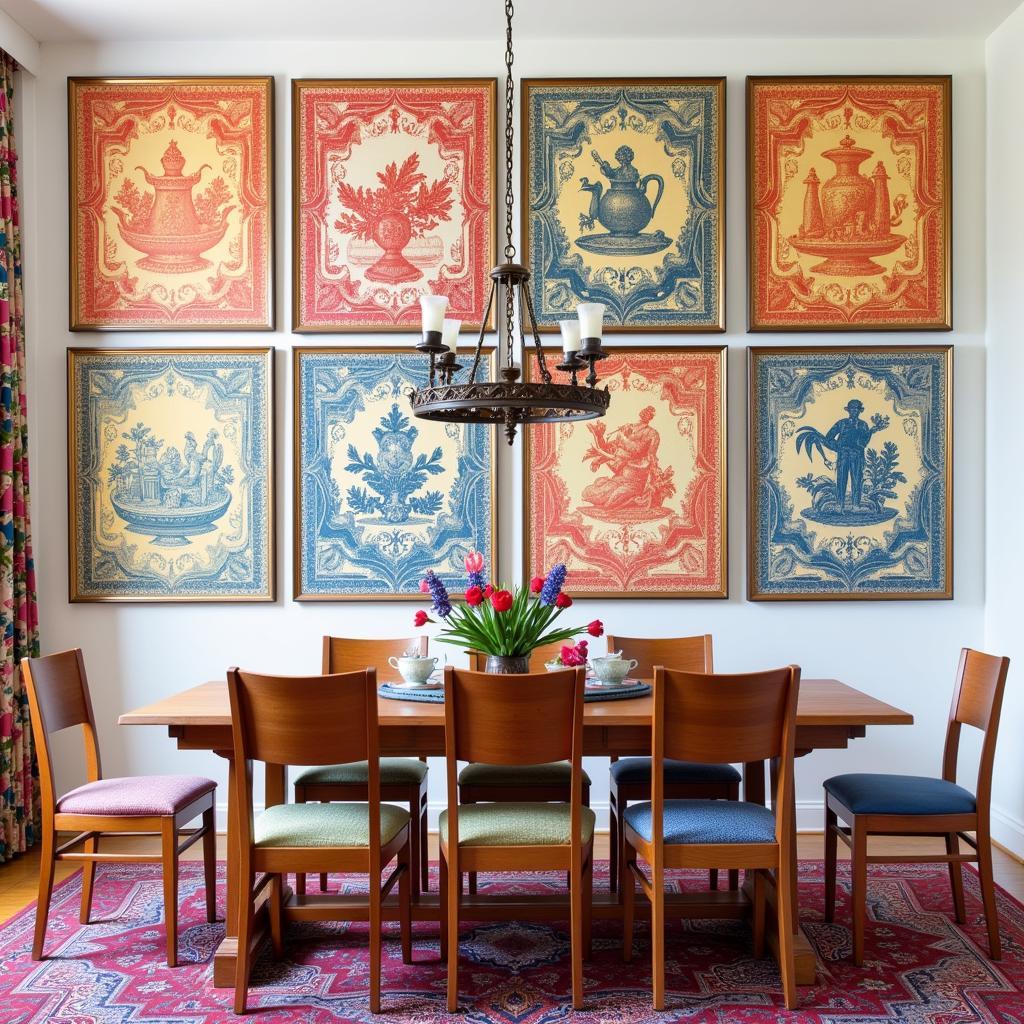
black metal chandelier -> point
(510, 401)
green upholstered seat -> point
(555, 773)
(394, 771)
(326, 824)
(517, 824)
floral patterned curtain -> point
(19, 786)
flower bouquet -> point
(504, 624)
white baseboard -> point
(1008, 832)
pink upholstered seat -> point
(142, 796)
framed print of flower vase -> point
(170, 474)
(625, 179)
(172, 213)
(381, 498)
(849, 203)
(635, 503)
(394, 185)
(850, 473)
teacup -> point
(613, 668)
(413, 668)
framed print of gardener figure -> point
(849, 203)
(625, 185)
(850, 473)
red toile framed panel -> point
(394, 184)
(849, 196)
(171, 203)
(634, 503)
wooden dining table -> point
(830, 714)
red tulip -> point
(474, 562)
(474, 596)
(501, 600)
(488, 590)
(596, 628)
(563, 601)
(421, 618)
(536, 584)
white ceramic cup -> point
(613, 669)
(413, 669)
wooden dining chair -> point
(630, 777)
(703, 718)
(154, 805)
(402, 779)
(332, 719)
(495, 783)
(535, 718)
(905, 805)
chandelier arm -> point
(541, 361)
(483, 329)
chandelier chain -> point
(510, 249)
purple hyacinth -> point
(477, 579)
(553, 584)
(439, 592)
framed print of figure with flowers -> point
(623, 186)
(850, 473)
(393, 198)
(634, 503)
(381, 498)
(171, 474)
(172, 214)
(849, 194)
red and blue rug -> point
(920, 968)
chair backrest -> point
(533, 718)
(539, 656)
(349, 654)
(737, 718)
(685, 653)
(58, 698)
(977, 701)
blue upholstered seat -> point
(689, 822)
(638, 769)
(865, 793)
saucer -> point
(624, 684)
(433, 682)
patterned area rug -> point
(920, 967)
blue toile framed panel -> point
(623, 185)
(381, 497)
(171, 474)
(850, 473)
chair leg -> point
(620, 846)
(424, 851)
(169, 855)
(759, 913)
(859, 895)
(472, 883)
(242, 956)
(613, 841)
(275, 906)
(658, 937)
(988, 892)
(375, 942)
(787, 923)
(300, 876)
(406, 881)
(46, 865)
(323, 881)
(956, 878)
(452, 896)
(627, 895)
(210, 863)
(713, 878)
(576, 933)
(734, 879)
(88, 878)
(442, 903)
(414, 842)
(831, 848)
(588, 905)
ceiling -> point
(111, 20)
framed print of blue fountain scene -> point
(850, 476)
(380, 497)
(170, 467)
(625, 179)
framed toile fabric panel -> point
(623, 200)
(381, 497)
(850, 473)
(634, 503)
(171, 196)
(849, 203)
(171, 474)
(394, 184)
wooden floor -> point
(19, 878)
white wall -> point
(1005, 490)
(903, 652)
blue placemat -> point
(392, 692)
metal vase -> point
(504, 664)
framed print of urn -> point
(625, 186)
(850, 474)
(171, 203)
(393, 198)
(849, 203)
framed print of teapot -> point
(849, 203)
(626, 200)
